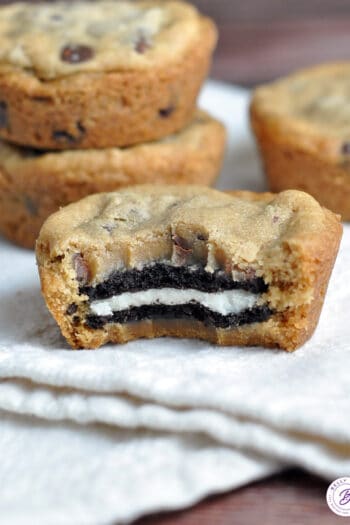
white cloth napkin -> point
(86, 475)
(159, 424)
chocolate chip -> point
(42, 100)
(80, 128)
(275, 219)
(142, 45)
(166, 112)
(346, 148)
(202, 236)
(75, 53)
(81, 268)
(65, 137)
(3, 114)
(32, 152)
(72, 308)
(76, 320)
(30, 205)
(181, 244)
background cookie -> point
(34, 184)
(302, 127)
(101, 74)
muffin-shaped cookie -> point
(187, 261)
(302, 126)
(100, 74)
(34, 183)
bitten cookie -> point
(302, 127)
(34, 183)
(100, 74)
(188, 261)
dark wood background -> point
(260, 40)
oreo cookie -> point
(162, 275)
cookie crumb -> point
(75, 53)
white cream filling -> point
(225, 303)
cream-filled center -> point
(225, 303)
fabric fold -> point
(329, 458)
(73, 475)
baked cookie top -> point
(134, 227)
(312, 106)
(56, 39)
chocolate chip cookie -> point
(35, 183)
(302, 126)
(187, 261)
(100, 74)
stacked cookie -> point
(96, 96)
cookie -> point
(188, 261)
(302, 127)
(34, 183)
(78, 75)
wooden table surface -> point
(293, 498)
(260, 40)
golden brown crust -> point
(107, 109)
(287, 167)
(296, 263)
(33, 186)
(301, 131)
(247, 195)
